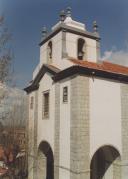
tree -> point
(5, 53)
(13, 107)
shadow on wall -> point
(45, 161)
(104, 163)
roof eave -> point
(90, 72)
(35, 83)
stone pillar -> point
(57, 131)
(32, 137)
(97, 50)
(41, 166)
(124, 112)
(80, 145)
(64, 51)
(35, 133)
(117, 168)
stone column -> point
(117, 168)
(57, 131)
(97, 50)
(64, 51)
(80, 145)
(35, 133)
(32, 137)
(41, 166)
(124, 111)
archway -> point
(45, 168)
(105, 163)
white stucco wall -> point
(56, 49)
(56, 54)
(46, 126)
(105, 115)
(71, 46)
(64, 134)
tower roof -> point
(67, 24)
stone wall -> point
(80, 145)
(32, 137)
(57, 131)
(35, 133)
(124, 110)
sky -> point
(26, 18)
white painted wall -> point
(56, 54)
(105, 115)
(46, 126)
(64, 133)
(71, 45)
(57, 49)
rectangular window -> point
(31, 102)
(65, 94)
(45, 104)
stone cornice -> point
(66, 28)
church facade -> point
(78, 108)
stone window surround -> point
(65, 94)
(45, 114)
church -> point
(78, 107)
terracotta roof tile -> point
(104, 66)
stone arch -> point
(81, 49)
(105, 163)
(45, 164)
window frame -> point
(45, 113)
(65, 96)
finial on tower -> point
(44, 32)
(95, 26)
(68, 14)
(62, 15)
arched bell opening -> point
(49, 52)
(81, 49)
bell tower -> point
(69, 39)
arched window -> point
(49, 52)
(81, 49)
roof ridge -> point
(115, 64)
(105, 66)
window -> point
(81, 49)
(45, 104)
(65, 94)
(31, 102)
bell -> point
(80, 54)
